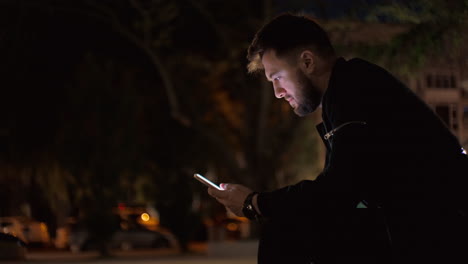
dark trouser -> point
(360, 238)
(286, 242)
(302, 241)
(444, 241)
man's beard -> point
(309, 97)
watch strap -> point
(249, 209)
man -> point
(392, 190)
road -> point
(157, 256)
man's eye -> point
(277, 78)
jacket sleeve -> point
(339, 185)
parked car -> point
(11, 247)
(26, 229)
(12, 226)
(141, 237)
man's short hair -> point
(286, 33)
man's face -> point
(291, 83)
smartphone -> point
(206, 181)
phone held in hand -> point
(206, 181)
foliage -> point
(436, 29)
(99, 142)
(141, 94)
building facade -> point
(443, 86)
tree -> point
(121, 133)
(434, 29)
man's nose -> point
(279, 92)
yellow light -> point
(145, 217)
(232, 227)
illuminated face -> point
(291, 83)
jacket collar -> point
(338, 67)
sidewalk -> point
(155, 260)
(225, 253)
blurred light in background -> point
(232, 227)
(145, 217)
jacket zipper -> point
(331, 133)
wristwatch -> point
(249, 209)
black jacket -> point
(387, 151)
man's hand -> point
(232, 197)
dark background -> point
(107, 102)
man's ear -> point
(307, 62)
